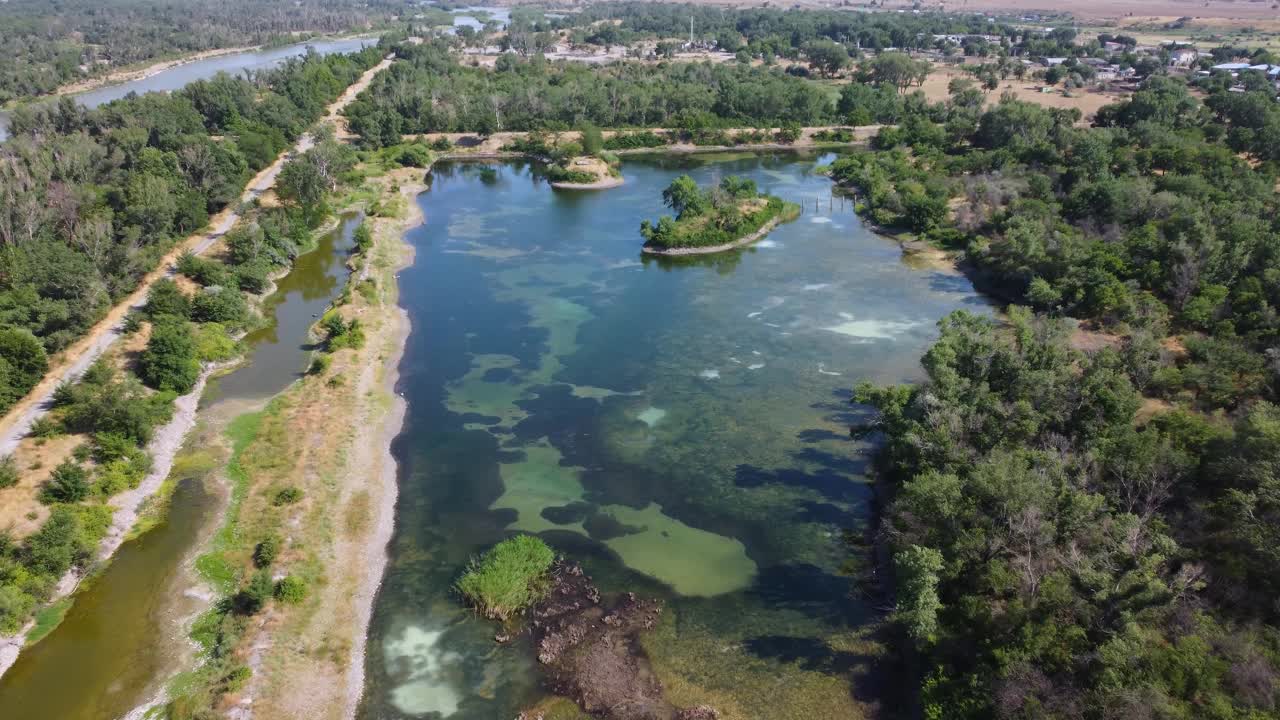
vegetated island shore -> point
(709, 249)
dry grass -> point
(1088, 102)
(21, 513)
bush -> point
(69, 483)
(632, 141)
(46, 427)
(169, 362)
(363, 238)
(213, 344)
(166, 298)
(287, 496)
(205, 272)
(221, 305)
(8, 472)
(509, 578)
(414, 155)
(442, 144)
(255, 595)
(319, 364)
(254, 277)
(265, 552)
(291, 589)
(592, 140)
(788, 133)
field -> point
(1087, 101)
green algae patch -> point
(694, 562)
(472, 394)
(745, 678)
(536, 483)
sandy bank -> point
(603, 183)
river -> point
(124, 636)
(177, 77)
(680, 428)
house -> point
(1113, 47)
(1052, 61)
(1183, 57)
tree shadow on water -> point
(809, 589)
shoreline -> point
(127, 507)
(741, 242)
(604, 183)
(128, 75)
(377, 543)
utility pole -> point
(690, 31)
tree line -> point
(91, 199)
(1088, 534)
(48, 46)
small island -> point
(731, 215)
(585, 173)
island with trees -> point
(730, 215)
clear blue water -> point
(679, 428)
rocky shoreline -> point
(590, 650)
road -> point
(70, 364)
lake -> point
(679, 428)
(176, 78)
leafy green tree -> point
(68, 483)
(169, 360)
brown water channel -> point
(123, 636)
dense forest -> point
(48, 46)
(430, 91)
(90, 199)
(1084, 522)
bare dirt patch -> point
(1088, 102)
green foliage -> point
(253, 597)
(916, 569)
(363, 238)
(723, 214)
(291, 589)
(166, 299)
(223, 305)
(68, 483)
(8, 472)
(508, 578)
(213, 343)
(265, 552)
(170, 361)
(22, 363)
(635, 141)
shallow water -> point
(177, 77)
(122, 637)
(680, 427)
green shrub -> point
(287, 496)
(265, 552)
(368, 290)
(213, 343)
(206, 272)
(632, 141)
(224, 305)
(254, 277)
(166, 298)
(255, 595)
(414, 155)
(120, 475)
(69, 483)
(509, 578)
(442, 144)
(319, 364)
(169, 362)
(291, 589)
(108, 446)
(46, 427)
(363, 238)
(8, 473)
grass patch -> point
(509, 578)
(47, 619)
(214, 565)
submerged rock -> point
(591, 650)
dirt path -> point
(70, 364)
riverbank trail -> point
(71, 363)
